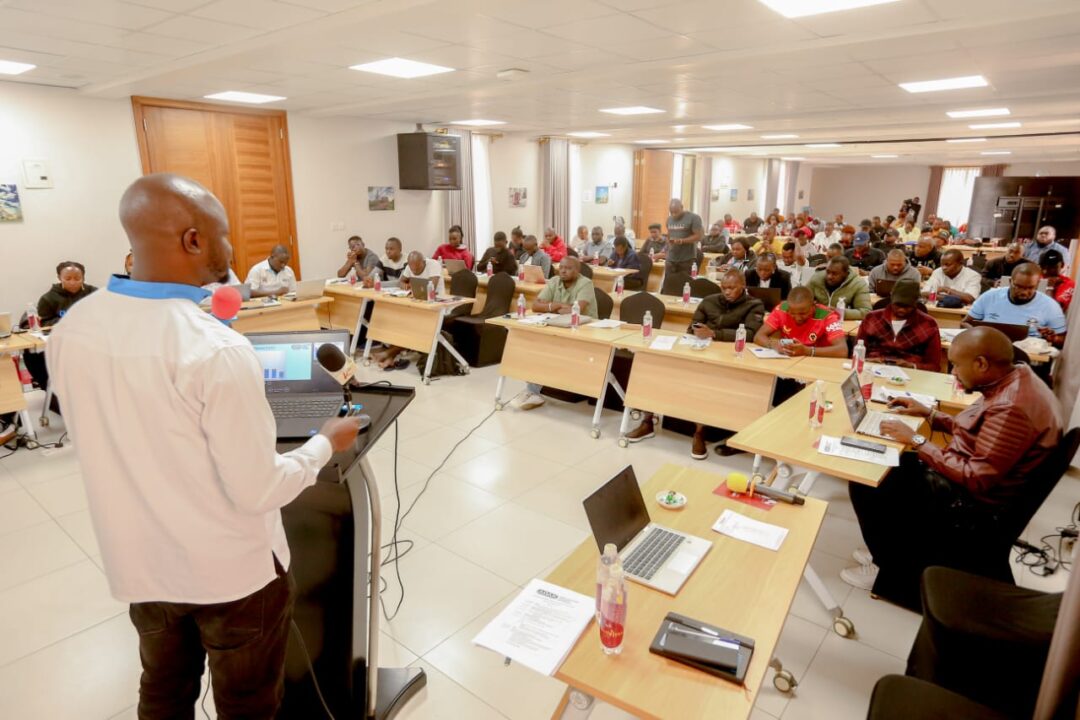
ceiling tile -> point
(185, 27)
(101, 12)
(261, 14)
(147, 42)
(613, 30)
(176, 6)
(535, 15)
(57, 27)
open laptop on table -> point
(1014, 332)
(418, 286)
(301, 394)
(863, 420)
(652, 555)
(452, 266)
(770, 297)
(534, 273)
(309, 289)
(5, 325)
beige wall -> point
(862, 191)
(741, 174)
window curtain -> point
(993, 170)
(704, 190)
(575, 197)
(957, 187)
(481, 190)
(771, 196)
(933, 192)
(789, 190)
(555, 185)
(461, 203)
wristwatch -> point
(917, 440)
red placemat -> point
(758, 501)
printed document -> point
(749, 530)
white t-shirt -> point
(262, 277)
(897, 326)
(432, 270)
(967, 281)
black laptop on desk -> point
(301, 394)
(770, 297)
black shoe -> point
(723, 450)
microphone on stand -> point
(342, 368)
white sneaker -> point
(531, 401)
(862, 556)
(861, 576)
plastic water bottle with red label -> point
(817, 404)
(521, 306)
(646, 325)
(858, 364)
(575, 316)
(521, 273)
(33, 320)
(431, 291)
(740, 341)
(376, 281)
(611, 601)
(619, 284)
(352, 277)
(686, 294)
(490, 269)
(693, 270)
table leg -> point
(841, 625)
(367, 352)
(807, 483)
(499, 404)
(575, 705)
(624, 426)
(449, 347)
(360, 324)
(28, 424)
(609, 379)
(431, 357)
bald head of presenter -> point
(165, 405)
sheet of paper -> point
(539, 627)
(889, 371)
(749, 530)
(695, 342)
(663, 342)
(767, 354)
(537, 319)
(949, 334)
(831, 446)
(884, 395)
(605, 324)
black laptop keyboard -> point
(300, 407)
(652, 553)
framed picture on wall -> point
(749, 193)
(602, 194)
(518, 197)
(10, 205)
(734, 195)
(715, 195)
(380, 197)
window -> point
(957, 186)
(481, 178)
(575, 190)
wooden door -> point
(652, 188)
(240, 155)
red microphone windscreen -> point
(225, 303)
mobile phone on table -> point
(861, 444)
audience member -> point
(926, 258)
(863, 257)
(994, 447)
(793, 261)
(717, 239)
(731, 224)
(826, 237)
(1059, 285)
(531, 254)
(954, 279)
(765, 274)
(896, 267)
(499, 255)
(1020, 304)
(901, 333)
(740, 257)
(273, 276)
(769, 242)
(717, 317)
(554, 245)
(624, 257)
(417, 267)
(1045, 239)
(52, 306)
(229, 278)
(654, 246)
(359, 261)
(752, 223)
(517, 241)
(942, 238)
(800, 327)
(580, 239)
(453, 248)
(597, 249)
(910, 233)
(684, 231)
(842, 282)
(1003, 265)
(392, 262)
(847, 237)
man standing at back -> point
(685, 231)
(177, 447)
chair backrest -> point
(500, 293)
(463, 283)
(699, 258)
(702, 287)
(604, 305)
(646, 266)
(586, 270)
(633, 307)
(769, 297)
(571, 252)
(1041, 483)
(673, 283)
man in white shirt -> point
(273, 276)
(793, 262)
(177, 447)
(826, 237)
(955, 279)
(417, 266)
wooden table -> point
(604, 277)
(738, 586)
(12, 399)
(677, 316)
(683, 383)
(284, 316)
(577, 361)
(991, 251)
(946, 317)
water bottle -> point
(431, 291)
(646, 325)
(858, 364)
(652, 253)
(611, 613)
(1033, 327)
(352, 277)
(619, 286)
(686, 294)
(740, 341)
(575, 316)
(490, 269)
(693, 271)
(376, 281)
(932, 297)
(521, 306)
(841, 308)
(817, 404)
(521, 271)
(33, 320)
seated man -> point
(889, 239)
(554, 245)
(359, 261)
(752, 223)
(910, 233)
(1059, 285)
(863, 257)
(826, 237)
(655, 246)
(531, 254)
(596, 249)
(392, 262)
(847, 237)
(582, 237)
(417, 267)
(558, 296)
(801, 327)
(1003, 265)
(740, 258)
(941, 496)
(769, 242)
(955, 279)
(793, 262)
(901, 334)
(499, 256)
(1045, 239)
(895, 268)
(624, 257)
(717, 317)
(453, 249)
(273, 276)
(841, 282)
(731, 224)
(926, 258)
(765, 274)
(717, 239)
(1021, 303)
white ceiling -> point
(829, 78)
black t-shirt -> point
(932, 261)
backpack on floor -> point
(445, 363)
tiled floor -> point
(504, 508)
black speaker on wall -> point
(429, 161)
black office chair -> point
(673, 283)
(702, 287)
(463, 283)
(898, 697)
(479, 342)
(571, 252)
(632, 309)
(604, 305)
(586, 270)
(641, 281)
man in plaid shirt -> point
(901, 333)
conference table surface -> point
(677, 316)
(738, 586)
(11, 389)
(283, 316)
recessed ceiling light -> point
(401, 68)
(981, 112)
(728, 126)
(244, 97)
(651, 142)
(588, 134)
(9, 67)
(822, 145)
(780, 136)
(478, 122)
(802, 8)
(956, 83)
(994, 126)
(793, 158)
(884, 157)
(966, 140)
(632, 110)
(997, 152)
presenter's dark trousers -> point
(678, 266)
(245, 640)
(915, 519)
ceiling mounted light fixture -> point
(244, 97)
(588, 134)
(980, 112)
(401, 68)
(10, 67)
(994, 126)
(632, 110)
(805, 8)
(793, 159)
(728, 126)
(956, 83)
(478, 122)
(780, 136)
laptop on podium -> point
(301, 394)
(652, 555)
